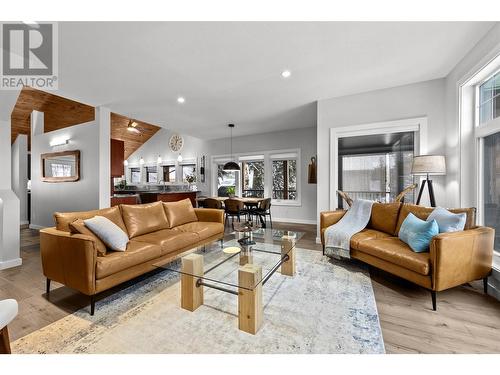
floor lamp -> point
(428, 165)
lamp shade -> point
(231, 166)
(429, 164)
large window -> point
(489, 99)
(253, 179)
(491, 184)
(284, 178)
(268, 174)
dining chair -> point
(234, 208)
(262, 211)
(212, 203)
(8, 311)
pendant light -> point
(231, 165)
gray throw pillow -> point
(108, 232)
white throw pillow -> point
(108, 232)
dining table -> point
(249, 202)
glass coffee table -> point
(241, 265)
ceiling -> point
(230, 72)
(132, 141)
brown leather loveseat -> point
(453, 258)
(159, 232)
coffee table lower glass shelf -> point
(241, 266)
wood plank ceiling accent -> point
(132, 141)
(59, 112)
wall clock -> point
(176, 142)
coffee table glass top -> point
(221, 264)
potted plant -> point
(230, 191)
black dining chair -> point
(212, 203)
(262, 211)
(234, 208)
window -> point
(253, 179)
(284, 172)
(226, 181)
(268, 174)
(189, 173)
(491, 184)
(169, 173)
(151, 175)
(489, 99)
(135, 175)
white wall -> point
(193, 148)
(423, 99)
(46, 197)
(19, 163)
(460, 151)
(9, 205)
(305, 139)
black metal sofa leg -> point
(92, 304)
(485, 285)
(48, 286)
(433, 295)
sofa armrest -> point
(69, 259)
(210, 215)
(327, 218)
(460, 257)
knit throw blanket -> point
(338, 236)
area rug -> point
(328, 307)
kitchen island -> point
(149, 196)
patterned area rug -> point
(328, 307)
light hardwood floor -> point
(467, 321)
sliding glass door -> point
(491, 184)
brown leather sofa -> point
(453, 258)
(159, 232)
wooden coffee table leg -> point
(288, 247)
(250, 308)
(4, 341)
(191, 295)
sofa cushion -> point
(63, 219)
(180, 212)
(366, 234)
(384, 217)
(136, 253)
(78, 226)
(143, 218)
(423, 213)
(203, 229)
(170, 240)
(394, 250)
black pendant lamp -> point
(231, 165)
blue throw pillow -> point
(418, 233)
(448, 221)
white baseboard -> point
(10, 263)
(294, 221)
(37, 227)
(318, 240)
(24, 222)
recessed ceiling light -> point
(286, 73)
(181, 99)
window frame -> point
(267, 157)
